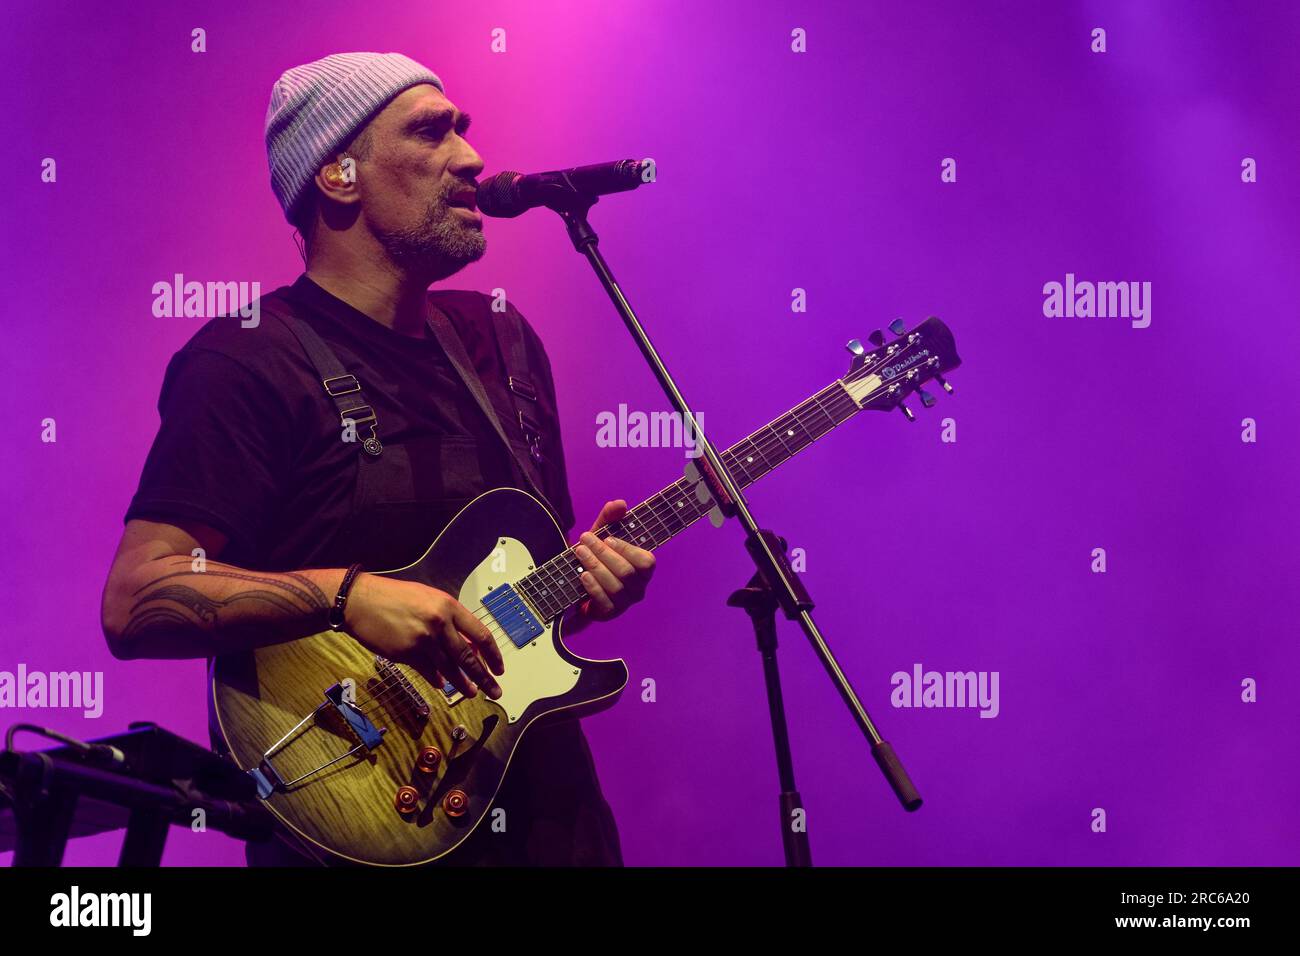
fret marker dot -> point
(750, 458)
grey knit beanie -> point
(317, 107)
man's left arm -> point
(616, 571)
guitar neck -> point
(555, 585)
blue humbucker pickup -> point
(512, 614)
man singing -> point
(369, 162)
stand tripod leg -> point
(759, 602)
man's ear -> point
(338, 180)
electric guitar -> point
(368, 760)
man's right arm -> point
(161, 601)
(164, 600)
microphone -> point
(508, 194)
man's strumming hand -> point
(429, 629)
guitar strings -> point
(658, 509)
(767, 433)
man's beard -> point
(436, 247)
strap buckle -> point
(351, 416)
(346, 385)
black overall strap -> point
(340, 385)
(345, 389)
(452, 344)
(509, 330)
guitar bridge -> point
(268, 778)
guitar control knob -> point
(428, 760)
(455, 803)
(407, 800)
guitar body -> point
(348, 808)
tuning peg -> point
(897, 327)
(927, 399)
(854, 346)
(944, 382)
(876, 338)
(911, 416)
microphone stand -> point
(774, 583)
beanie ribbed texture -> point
(317, 107)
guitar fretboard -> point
(556, 585)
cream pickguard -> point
(534, 671)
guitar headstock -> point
(882, 378)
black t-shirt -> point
(250, 443)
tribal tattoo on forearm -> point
(289, 603)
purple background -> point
(776, 171)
